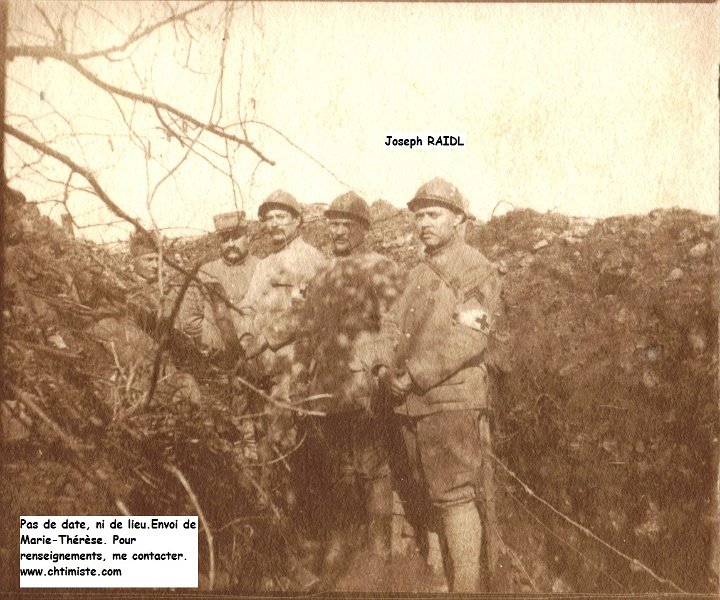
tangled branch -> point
(55, 53)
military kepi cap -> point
(280, 199)
(141, 243)
(439, 192)
(230, 221)
(349, 206)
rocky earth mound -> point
(611, 411)
(610, 414)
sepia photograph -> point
(327, 298)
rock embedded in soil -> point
(699, 250)
(540, 245)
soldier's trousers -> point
(443, 455)
(359, 452)
(361, 445)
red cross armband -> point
(474, 315)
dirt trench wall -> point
(611, 412)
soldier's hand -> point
(252, 345)
(400, 384)
(381, 374)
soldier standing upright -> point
(269, 322)
(209, 319)
(345, 304)
(439, 379)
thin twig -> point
(633, 561)
(75, 356)
(300, 149)
(122, 508)
(278, 403)
(498, 204)
(72, 61)
(67, 161)
(240, 520)
(141, 33)
(282, 457)
(565, 542)
(165, 338)
(110, 271)
(515, 558)
(208, 534)
(29, 400)
(78, 463)
(100, 192)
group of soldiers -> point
(403, 376)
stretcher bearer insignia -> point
(473, 315)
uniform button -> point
(407, 335)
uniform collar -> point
(438, 253)
(357, 251)
(288, 242)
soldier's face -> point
(436, 225)
(146, 266)
(234, 246)
(281, 225)
(345, 235)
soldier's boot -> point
(379, 508)
(463, 534)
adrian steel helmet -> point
(349, 206)
(438, 192)
(280, 199)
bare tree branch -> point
(138, 34)
(44, 51)
(294, 145)
(69, 162)
(167, 333)
(159, 104)
(71, 60)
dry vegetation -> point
(610, 413)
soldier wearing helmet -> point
(348, 219)
(438, 376)
(282, 216)
(268, 325)
(345, 303)
(225, 280)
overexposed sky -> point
(591, 110)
